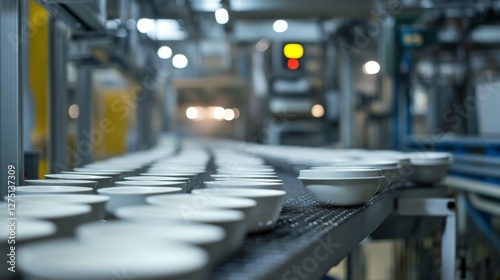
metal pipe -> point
(84, 145)
(58, 96)
(347, 104)
(11, 97)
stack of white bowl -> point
(26, 231)
(390, 169)
(342, 186)
(113, 249)
(242, 176)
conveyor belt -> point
(308, 239)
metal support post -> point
(144, 119)
(436, 207)
(84, 145)
(11, 93)
(347, 99)
(58, 96)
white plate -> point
(330, 172)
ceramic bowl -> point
(189, 202)
(151, 183)
(250, 180)
(26, 231)
(343, 191)
(429, 167)
(268, 204)
(65, 259)
(232, 221)
(114, 175)
(336, 173)
(234, 183)
(254, 176)
(130, 195)
(205, 236)
(55, 182)
(102, 181)
(171, 174)
(390, 170)
(47, 189)
(156, 178)
(66, 217)
(97, 202)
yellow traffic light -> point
(294, 51)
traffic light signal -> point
(292, 56)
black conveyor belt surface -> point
(303, 222)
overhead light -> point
(167, 30)
(229, 115)
(236, 113)
(191, 113)
(371, 68)
(164, 52)
(280, 26)
(221, 16)
(74, 111)
(218, 113)
(180, 61)
(145, 25)
(317, 111)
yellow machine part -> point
(38, 78)
(114, 109)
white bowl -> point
(250, 180)
(70, 259)
(390, 169)
(26, 231)
(343, 191)
(232, 221)
(189, 202)
(97, 202)
(209, 237)
(122, 170)
(335, 172)
(428, 173)
(66, 217)
(156, 178)
(244, 169)
(56, 182)
(170, 174)
(151, 183)
(43, 189)
(114, 175)
(268, 204)
(243, 175)
(234, 183)
(430, 157)
(102, 181)
(130, 195)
